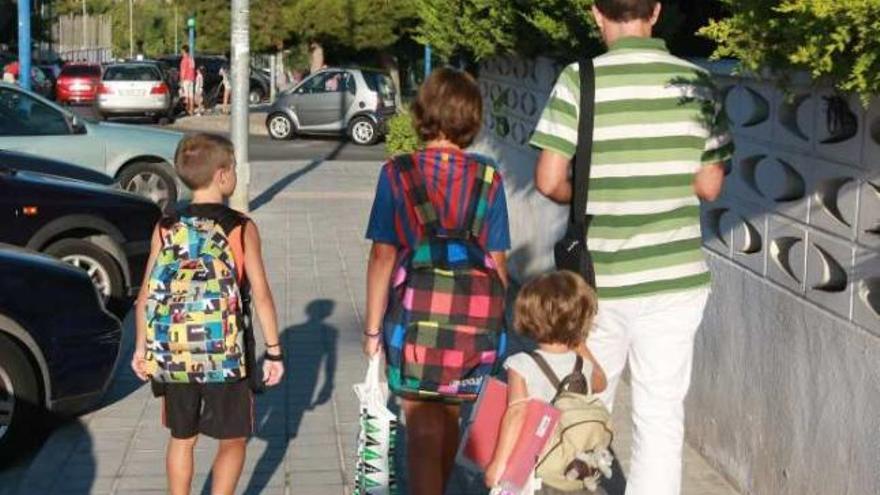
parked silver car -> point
(134, 89)
(140, 158)
(352, 102)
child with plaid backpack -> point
(437, 276)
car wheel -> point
(20, 404)
(255, 96)
(98, 264)
(363, 131)
(151, 180)
(280, 127)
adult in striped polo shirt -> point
(660, 141)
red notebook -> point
(478, 446)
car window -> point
(379, 83)
(132, 73)
(326, 82)
(21, 115)
(81, 71)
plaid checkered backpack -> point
(444, 331)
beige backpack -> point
(577, 454)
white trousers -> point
(655, 335)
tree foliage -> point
(831, 39)
(354, 24)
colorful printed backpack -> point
(194, 309)
(444, 331)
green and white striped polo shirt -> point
(657, 121)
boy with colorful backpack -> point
(556, 310)
(194, 338)
(436, 278)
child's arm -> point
(598, 382)
(379, 268)
(511, 427)
(140, 313)
(263, 302)
(500, 258)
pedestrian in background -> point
(448, 116)
(199, 90)
(194, 337)
(188, 79)
(225, 88)
(10, 73)
(659, 143)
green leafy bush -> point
(833, 40)
(401, 137)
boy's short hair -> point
(556, 308)
(626, 10)
(199, 156)
(449, 104)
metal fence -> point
(88, 38)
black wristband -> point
(273, 357)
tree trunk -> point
(316, 57)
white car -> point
(134, 89)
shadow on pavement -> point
(276, 188)
(310, 348)
(124, 381)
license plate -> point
(81, 87)
(132, 92)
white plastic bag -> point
(376, 440)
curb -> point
(220, 123)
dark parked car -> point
(48, 166)
(259, 82)
(58, 346)
(102, 230)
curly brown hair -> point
(556, 308)
(449, 105)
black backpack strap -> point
(546, 369)
(415, 190)
(584, 153)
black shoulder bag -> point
(571, 252)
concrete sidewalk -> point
(312, 218)
(218, 122)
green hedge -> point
(401, 137)
(834, 40)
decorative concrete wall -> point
(786, 388)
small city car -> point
(58, 345)
(78, 83)
(102, 230)
(134, 89)
(351, 102)
(140, 158)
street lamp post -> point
(130, 30)
(24, 43)
(240, 68)
(191, 24)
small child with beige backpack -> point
(556, 310)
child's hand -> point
(272, 372)
(372, 345)
(493, 474)
(139, 364)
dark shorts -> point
(218, 410)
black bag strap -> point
(584, 153)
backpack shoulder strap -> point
(417, 193)
(478, 206)
(546, 369)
